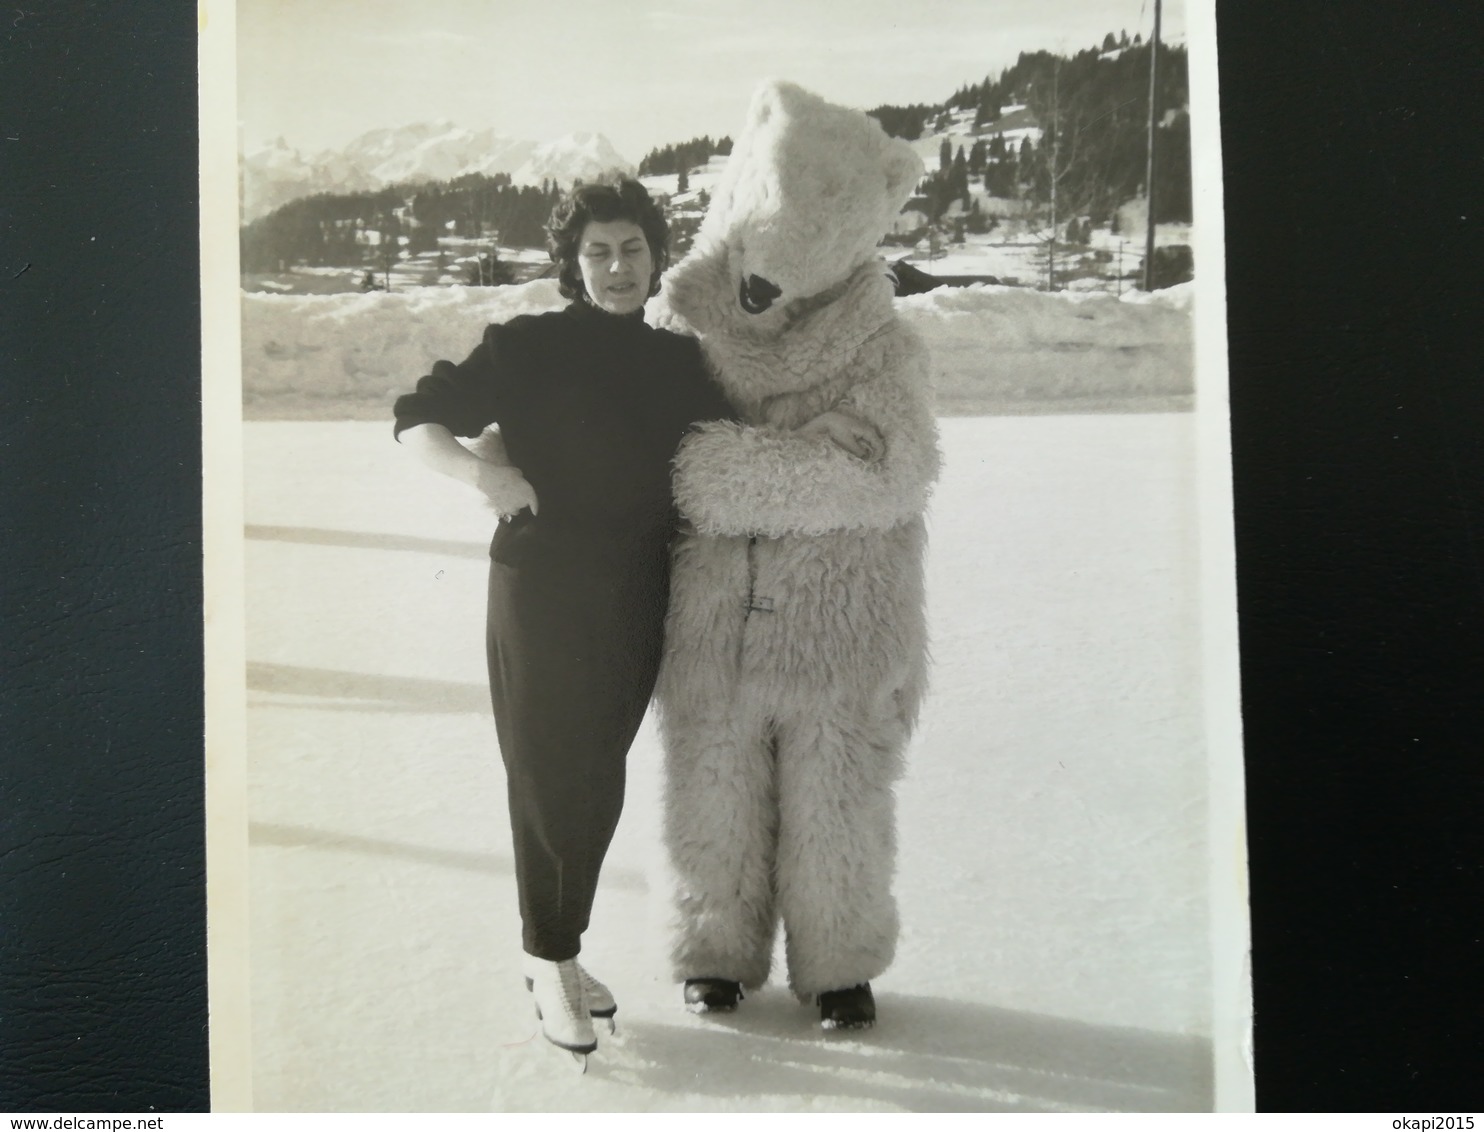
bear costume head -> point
(795, 220)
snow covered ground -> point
(1053, 873)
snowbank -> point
(327, 356)
(995, 349)
(1006, 349)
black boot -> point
(712, 996)
(853, 1008)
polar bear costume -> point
(796, 640)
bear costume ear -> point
(903, 170)
(778, 96)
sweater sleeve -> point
(464, 398)
(705, 400)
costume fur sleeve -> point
(733, 479)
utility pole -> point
(1055, 157)
(1149, 174)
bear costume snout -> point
(805, 197)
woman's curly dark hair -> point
(623, 199)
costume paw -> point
(853, 433)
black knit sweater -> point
(591, 406)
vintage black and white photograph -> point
(736, 592)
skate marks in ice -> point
(336, 841)
(924, 1055)
(367, 540)
(328, 689)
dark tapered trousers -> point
(574, 641)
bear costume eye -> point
(757, 294)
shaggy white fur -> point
(796, 642)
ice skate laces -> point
(569, 988)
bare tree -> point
(1071, 168)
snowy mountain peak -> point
(423, 151)
(579, 156)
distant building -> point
(911, 218)
(1003, 207)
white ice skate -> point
(556, 989)
(599, 999)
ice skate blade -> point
(850, 1008)
(706, 995)
(575, 1051)
(579, 1060)
(703, 1008)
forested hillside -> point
(348, 230)
(683, 157)
(1091, 111)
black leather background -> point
(1354, 260)
(102, 904)
(1353, 263)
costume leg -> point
(720, 829)
(837, 843)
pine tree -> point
(934, 197)
(976, 157)
(945, 155)
(958, 178)
(682, 185)
(906, 122)
(977, 222)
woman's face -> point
(616, 265)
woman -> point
(591, 404)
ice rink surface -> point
(1053, 872)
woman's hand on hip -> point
(506, 492)
(502, 488)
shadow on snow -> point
(925, 1054)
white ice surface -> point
(1053, 862)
